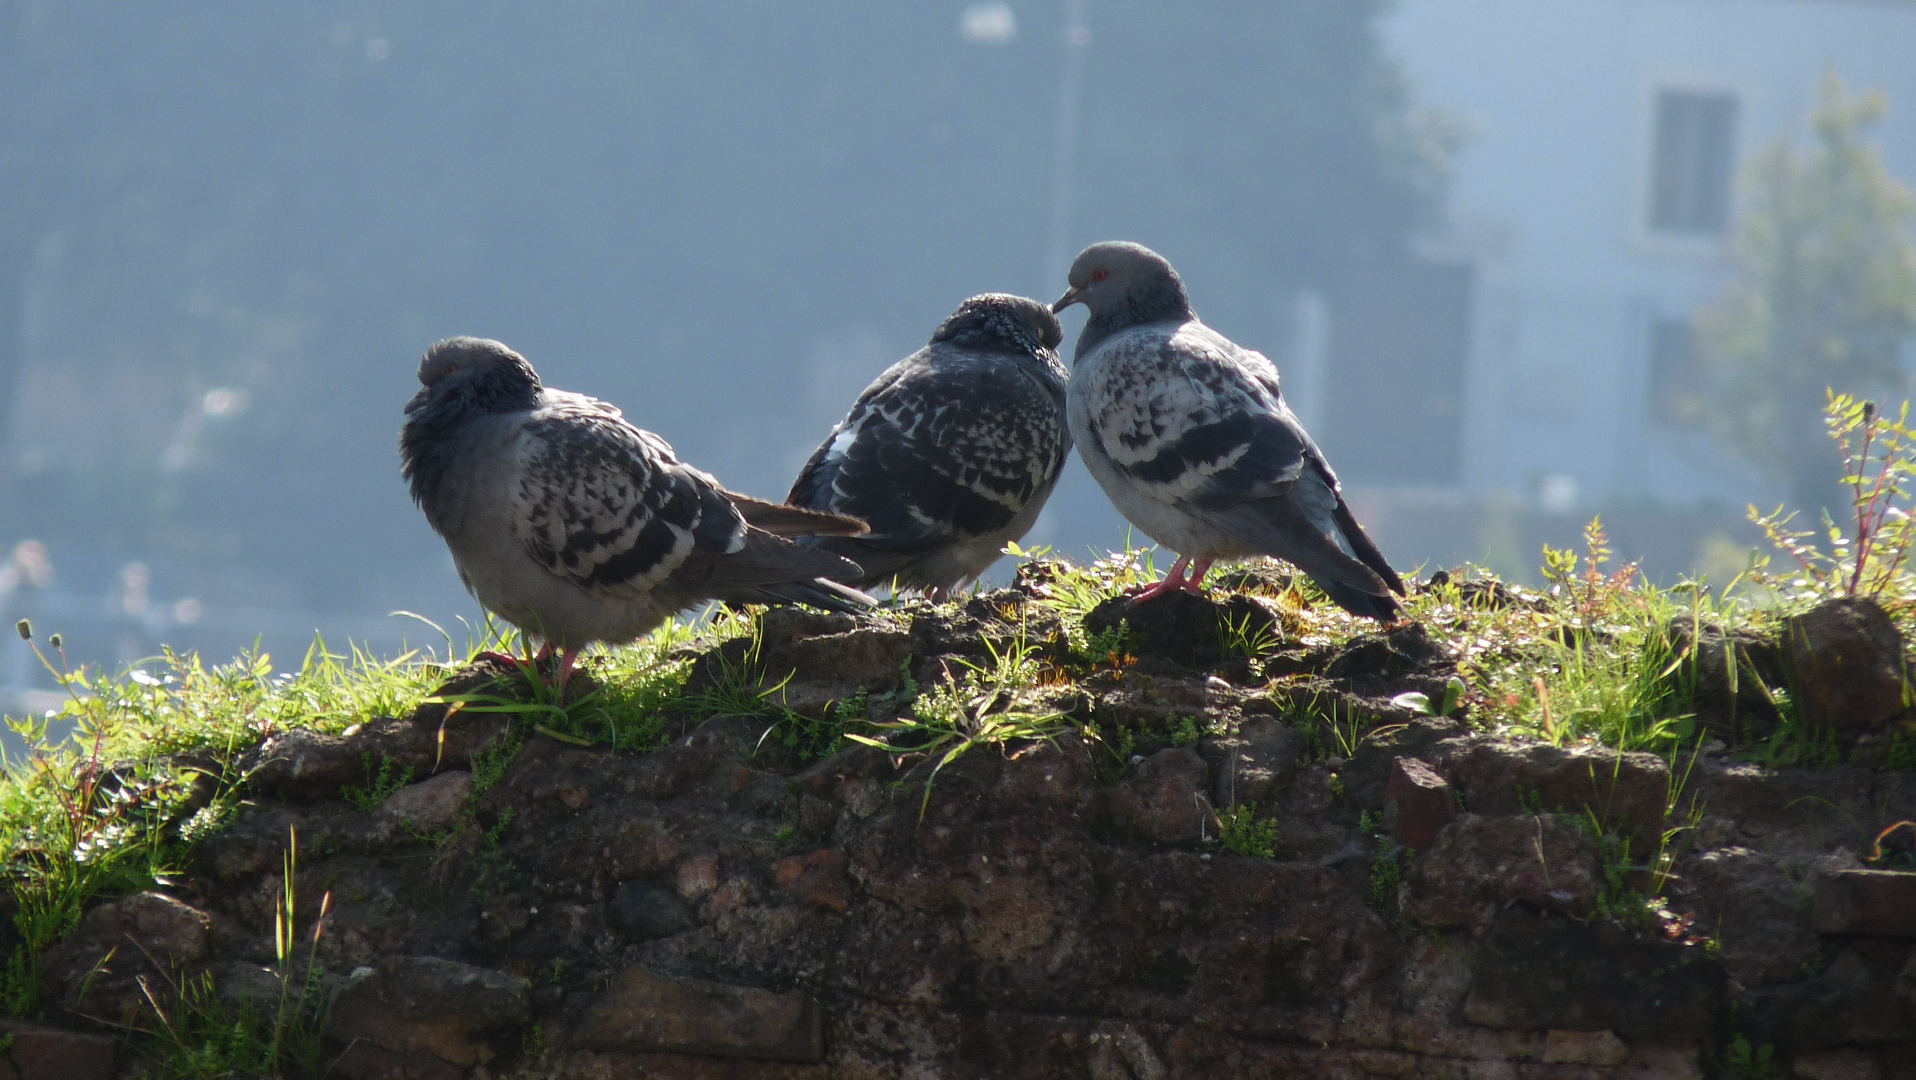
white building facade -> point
(1591, 210)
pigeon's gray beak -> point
(418, 402)
(1069, 298)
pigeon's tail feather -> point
(773, 570)
(1382, 608)
(876, 565)
(819, 593)
(1282, 528)
(781, 519)
(1366, 551)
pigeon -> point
(951, 452)
(1186, 432)
(572, 524)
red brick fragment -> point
(1417, 803)
(817, 878)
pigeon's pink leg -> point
(1172, 582)
(509, 660)
(566, 660)
(1198, 570)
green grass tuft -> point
(1241, 833)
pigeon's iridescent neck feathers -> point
(462, 379)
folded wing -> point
(612, 508)
(929, 456)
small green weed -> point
(1247, 637)
(1795, 742)
(73, 827)
(1386, 874)
(1750, 1063)
(1901, 753)
(1330, 725)
(1879, 457)
(985, 704)
(380, 783)
(199, 1035)
(1370, 823)
(1742, 1061)
(1241, 833)
(1185, 731)
(496, 873)
(1594, 659)
(1073, 590)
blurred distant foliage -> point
(1296, 153)
(1825, 295)
(292, 202)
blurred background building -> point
(1474, 234)
(1591, 214)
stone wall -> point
(1440, 903)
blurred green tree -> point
(1824, 296)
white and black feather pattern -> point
(609, 506)
(567, 521)
(1189, 435)
(950, 452)
(1189, 417)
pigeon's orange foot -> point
(498, 659)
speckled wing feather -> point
(929, 454)
(610, 506)
(1195, 421)
(1192, 419)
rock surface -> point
(1844, 659)
(1731, 674)
(640, 1011)
(1479, 863)
(430, 805)
(148, 936)
(1542, 973)
(445, 1008)
(38, 1052)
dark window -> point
(1694, 159)
(1676, 378)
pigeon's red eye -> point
(1099, 275)
(450, 368)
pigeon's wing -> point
(939, 448)
(609, 506)
(1194, 421)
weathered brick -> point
(1417, 803)
(1881, 903)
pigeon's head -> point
(1001, 320)
(1126, 282)
(475, 374)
